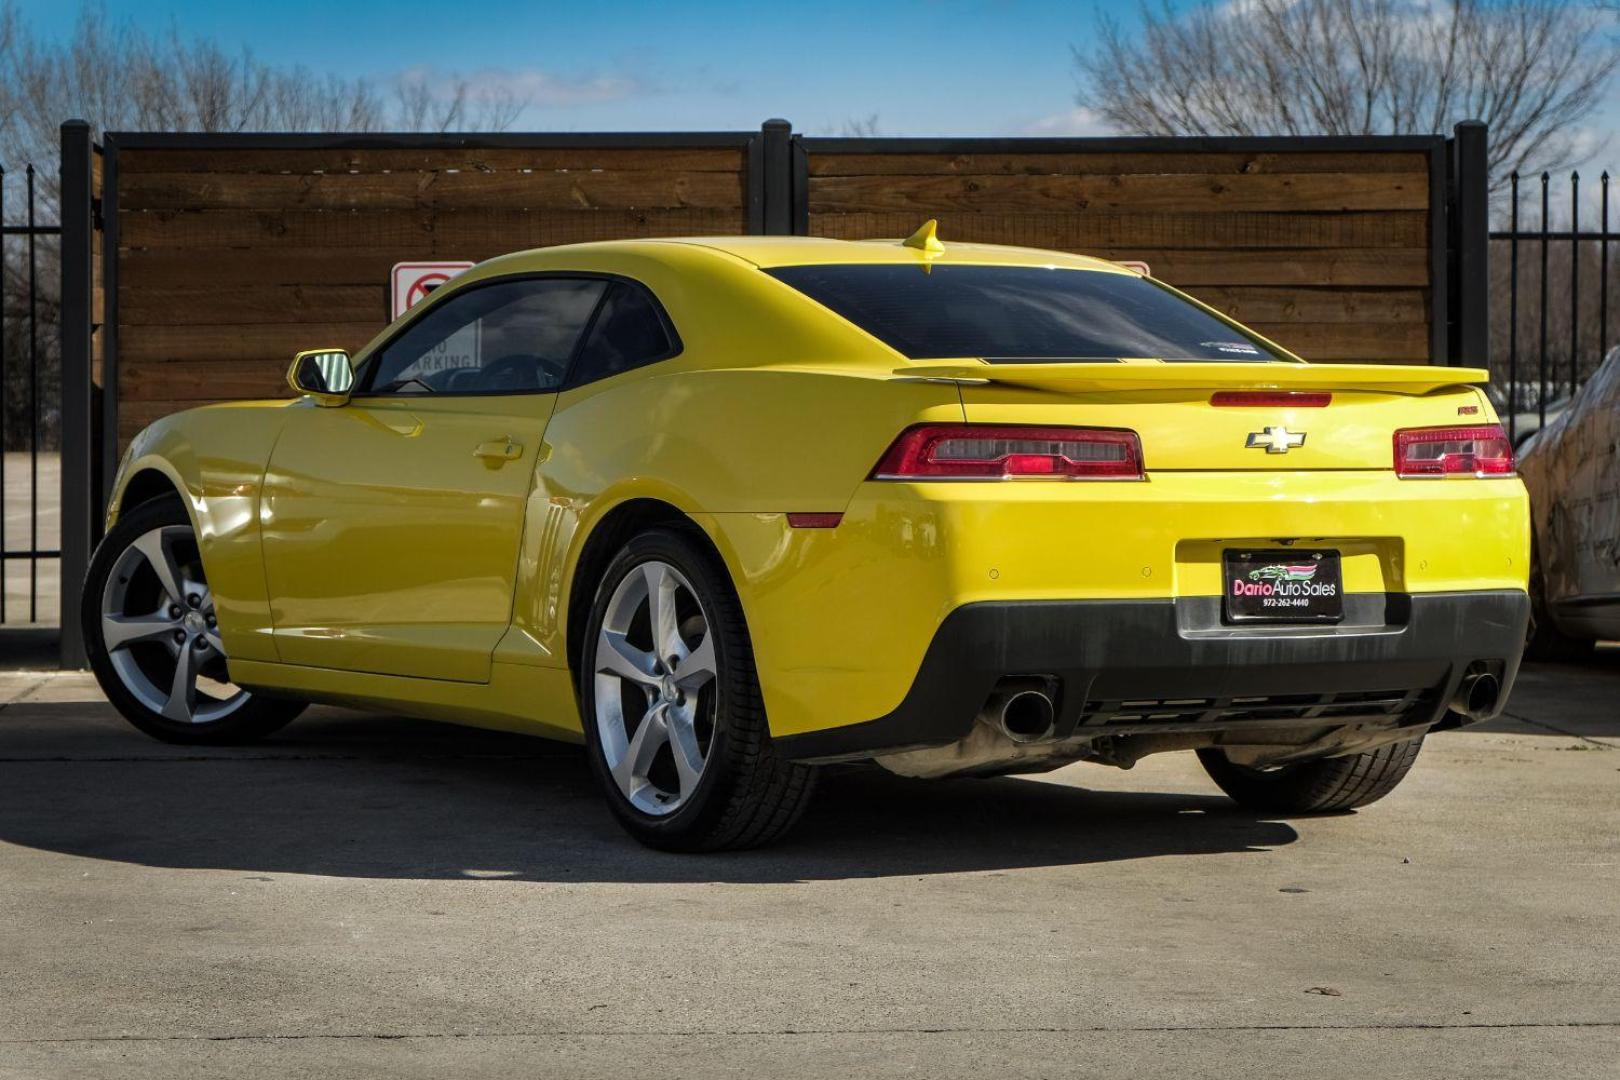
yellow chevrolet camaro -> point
(726, 509)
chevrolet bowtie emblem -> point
(1276, 440)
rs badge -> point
(1275, 440)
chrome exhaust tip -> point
(1476, 696)
(1025, 716)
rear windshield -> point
(1021, 313)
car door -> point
(391, 525)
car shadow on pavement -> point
(348, 795)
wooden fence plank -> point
(231, 305)
(417, 233)
(1260, 191)
(680, 159)
(244, 341)
(1402, 343)
(1267, 304)
(1382, 267)
(1109, 164)
(618, 190)
(203, 380)
(1170, 229)
(179, 268)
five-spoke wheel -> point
(160, 631)
(655, 699)
(672, 710)
(153, 635)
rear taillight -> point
(1003, 452)
(1453, 451)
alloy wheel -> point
(161, 632)
(655, 687)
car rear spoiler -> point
(1218, 375)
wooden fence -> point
(232, 256)
(229, 252)
(1327, 251)
(195, 265)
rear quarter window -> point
(630, 331)
(1022, 314)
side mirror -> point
(324, 374)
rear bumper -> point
(1175, 653)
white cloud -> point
(1242, 9)
(1586, 142)
(1079, 121)
(532, 86)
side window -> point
(508, 337)
(628, 333)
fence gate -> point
(1553, 316)
(30, 400)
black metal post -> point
(78, 447)
(1471, 238)
(801, 187)
(106, 468)
(1574, 279)
(1603, 276)
(1513, 316)
(1541, 399)
(778, 136)
(1442, 252)
(33, 406)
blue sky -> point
(924, 66)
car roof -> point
(774, 251)
(768, 251)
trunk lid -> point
(1169, 405)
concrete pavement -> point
(365, 896)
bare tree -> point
(118, 76)
(1533, 70)
(497, 108)
(425, 103)
(860, 127)
(420, 108)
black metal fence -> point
(1553, 309)
(30, 373)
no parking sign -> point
(411, 282)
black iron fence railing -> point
(1553, 313)
(29, 381)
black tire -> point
(254, 717)
(1314, 787)
(745, 795)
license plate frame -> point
(1281, 586)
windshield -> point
(1021, 313)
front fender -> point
(214, 458)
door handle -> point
(498, 450)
